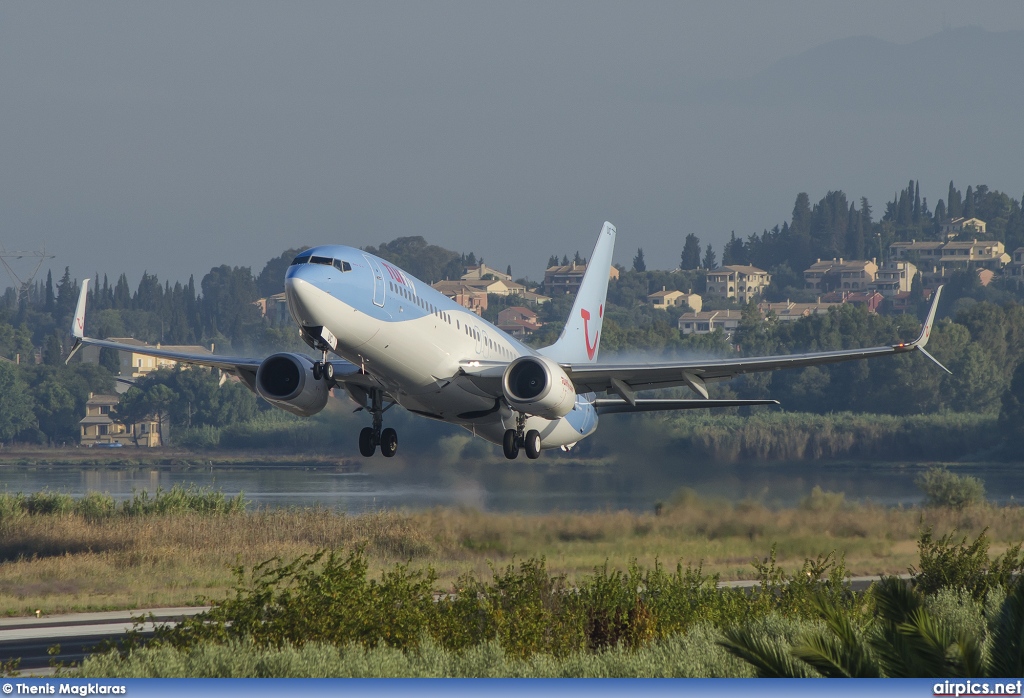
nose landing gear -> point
(323, 369)
(517, 438)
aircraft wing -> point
(625, 379)
(616, 406)
(243, 367)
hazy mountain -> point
(966, 69)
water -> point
(522, 487)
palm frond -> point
(770, 659)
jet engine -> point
(286, 381)
(538, 386)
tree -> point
(271, 279)
(228, 296)
(691, 253)
(48, 299)
(16, 404)
(710, 261)
(968, 203)
(735, 251)
(1011, 415)
(638, 260)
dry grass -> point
(64, 562)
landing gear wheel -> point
(532, 444)
(388, 442)
(316, 371)
(510, 444)
(328, 372)
(366, 442)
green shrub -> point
(198, 438)
(820, 500)
(95, 506)
(52, 503)
(322, 597)
(694, 655)
(945, 489)
(945, 564)
(179, 500)
(12, 506)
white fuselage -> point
(414, 341)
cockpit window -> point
(338, 264)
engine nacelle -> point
(537, 385)
(286, 381)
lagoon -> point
(514, 487)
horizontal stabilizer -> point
(613, 406)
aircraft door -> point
(379, 285)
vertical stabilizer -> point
(581, 336)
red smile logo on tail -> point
(585, 314)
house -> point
(739, 281)
(894, 277)
(99, 427)
(567, 278)
(846, 275)
(136, 365)
(789, 311)
(534, 298)
(663, 299)
(708, 321)
(482, 271)
(518, 321)
(869, 299)
(990, 254)
(959, 226)
(1015, 269)
(274, 308)
(466, 296)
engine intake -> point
(286, 381)
(538, 386)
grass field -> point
(66, 561)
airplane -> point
(388, 339)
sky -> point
(174, 137)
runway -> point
(30, 638)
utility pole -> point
(22, 286)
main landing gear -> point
(371, 437)
(516, 438)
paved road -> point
(31, 638)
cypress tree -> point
(638, 261)
(48, 298)
(953, 202)
(968, 203)
(690, 258)
(710, 260)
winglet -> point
(926, 332)
(78, 324)
(926, 328)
